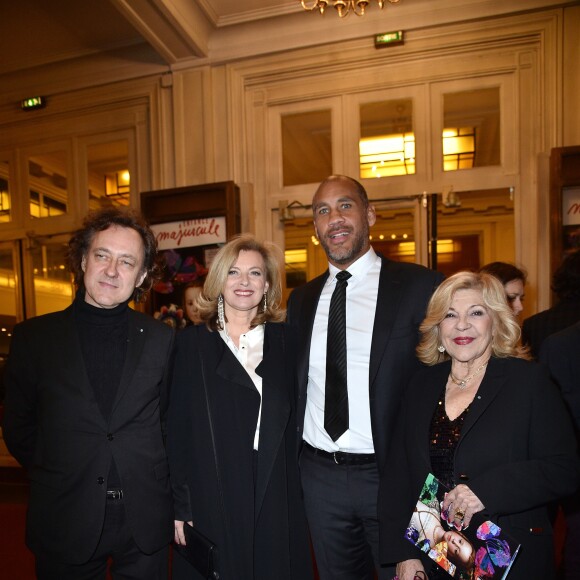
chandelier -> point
(343, 7)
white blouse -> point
(250, 354)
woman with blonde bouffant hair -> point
(231, 428)
(504, 341)
(487, 423)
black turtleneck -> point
(103, 334)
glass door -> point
(52, 286)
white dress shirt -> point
(361, 303)
(250, 354)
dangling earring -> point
(265, 302)
(221, 315)
(441, 348)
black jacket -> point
(517, 453)
(54, 428)
(261, 530)
(404, 291)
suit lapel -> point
(70, 343)
(275, 398)
(137, 336)
(228, 366)
(389, 295)
(491, 385)
(307, 313)
(424, 409)
(275, 408)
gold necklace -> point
(462, 383)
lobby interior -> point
(466, 107)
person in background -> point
(349, 398)
(560, 352)
(85, 413)
(232, 423)
(513, 280)
(488, 424)
(190, 294)
(566, 286)
(172, 316)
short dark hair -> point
(103, 219)
(359, 189)
(504, 272)
(566, 279)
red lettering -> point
(190, 229)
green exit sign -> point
(389, 39)
(33, 103)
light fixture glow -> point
(343, 7)
(391, 155)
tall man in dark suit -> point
(385, 303)
(85, 404)
(560, 352)
(566, 286)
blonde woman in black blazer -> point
(232, 424)
(515, 450)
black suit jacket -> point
(260, 529)
(517, 453)
(54, 428)
(538, 327)
(404, 290)
(561, 353)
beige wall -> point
(219, 120)
(571, 76)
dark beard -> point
(347, 255)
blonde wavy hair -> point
(505, 328)
(207, 300)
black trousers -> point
(341, 507)
(128, 562)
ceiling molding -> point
(262, 13)
(197, 33)
(177, 29)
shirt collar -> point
(253, 336)
(357, 268)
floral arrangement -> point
(179, 270)
(172, 316)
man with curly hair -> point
(85, 406)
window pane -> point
(7, 285)
(306, 147)
(47, 175)
(296, 262)
(471, 134)
(8, 313)
(393, 233)
(480, 225)
(108, 174)
(387, 144)
(5, 206)
(53, 288)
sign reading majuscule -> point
(571, 206)
(189, 233)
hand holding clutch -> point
(197, 549)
